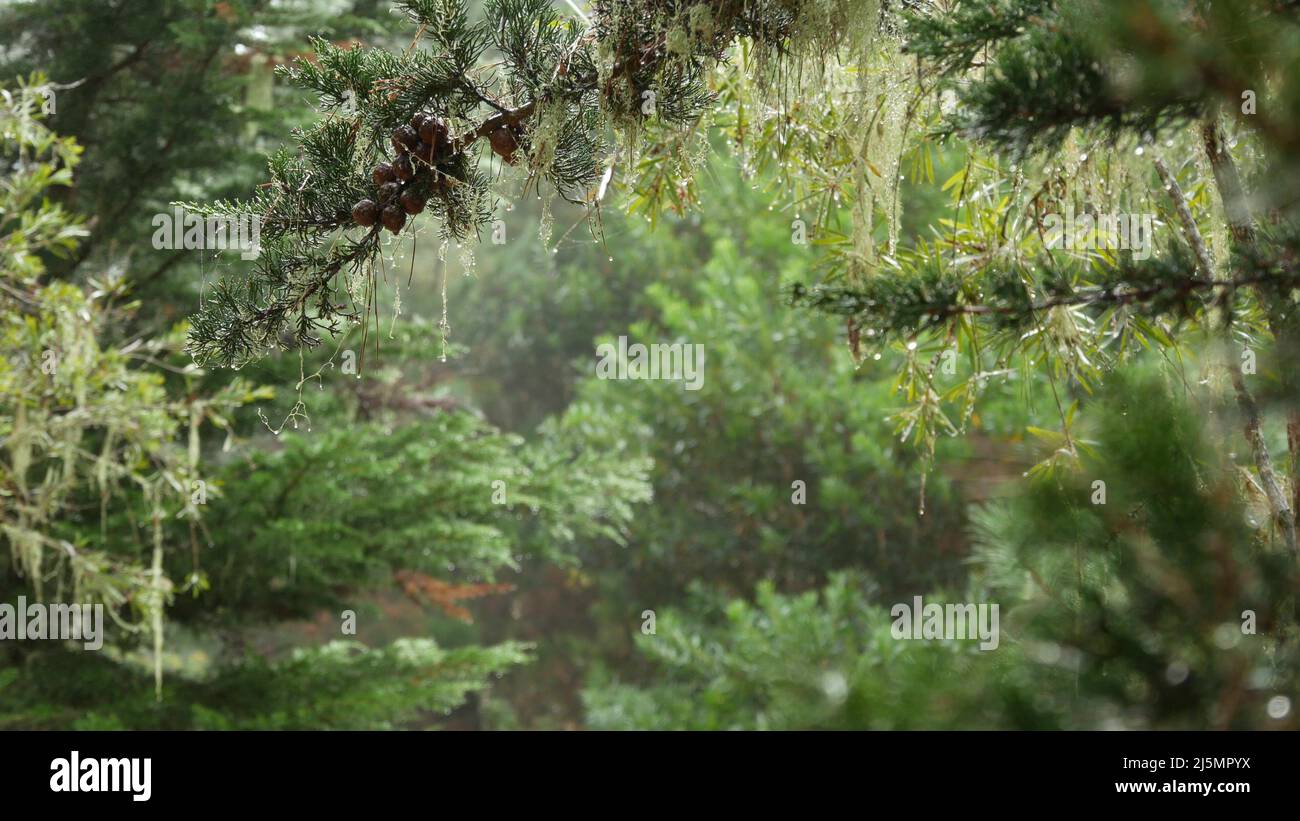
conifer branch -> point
(1283, 512)
(1241, 224)
(1277, 500)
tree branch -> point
(1277, 500)
(1242, 225)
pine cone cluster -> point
(402, 186)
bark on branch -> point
(1241, 223)
(1277, 498)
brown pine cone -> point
(365, 212)
(434, 131)
(504, 144)
(383, 173)
(412, 203)
(388, 191)
(394, 218)
(403, 168)
(404, 138)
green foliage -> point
(173, 100)
(1145, 597)
(553, 101)
(818, 660)
(108, 499)
(923, 151)
(470, 504)
(342, 685)
(80, 419)
(781, 403)
(1128, 614)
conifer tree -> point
(176, 99)
(1151, 109)
(1161, 608)
(425, 130)
(1024, 114)
(1104, 110)
(110, 499)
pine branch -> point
(561, 85)
(1277, 500)
(1283, 512)
(1192, 233)
(858, 302)
(1240, 221)
(1241, 224)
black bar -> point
(918, 770)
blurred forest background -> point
(500, 521)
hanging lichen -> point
(82, 419)
(444, 322)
